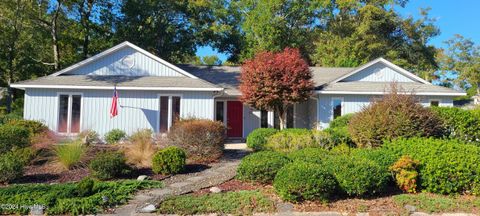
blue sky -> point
(453, 17)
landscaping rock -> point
(215, 190)
(142, 177)
(410, 208)
(148, 209)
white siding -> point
(251, 120)
(112, 65)
(137, 109)
(355, 103)
(379, 72)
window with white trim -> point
(69, 113)
(169, 112)
(434, 103)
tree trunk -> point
(282, 116)
(53, 32)
(85, 20)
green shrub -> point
(323, 139)
(357, 176)
(12, 136)
(85, 187)
(311, 155)
(257, 139)
(170, 160)
(115, 136)
(340, 135)
(202, 139)
(11, 167)
(381, 156)
(35, 127)
(69, 155)
(459, 123)
(24, 154)
(341, 121)
(395, 115)
(446, 166)
(299, 181)
(261, 166)
(289, 140)
(108, 165)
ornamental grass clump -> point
(140, 148)
(69, 155)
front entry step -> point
(234, 140)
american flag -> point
(114, 108)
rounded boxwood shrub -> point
(357, 176)
(13, 136)
(115, 136)
(446, 166)
(257, 139)
(11, 167)
(459, 123)
(261, 166)
(289, 140)
(35, 127)
(108, 165)
(170, 160)
(299, 181)
(312, 155)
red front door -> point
(234, 118)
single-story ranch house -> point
(152, 93)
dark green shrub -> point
(459, 123)
(299, 181)
(12, 136)
(446, 166)
(381, 156)
(108, 165)
(257, 139)
(115, 136)
(340, 135)
(170, 160)
(35, 127)
(261, 166)
(311, 155)
(85, 187)
(289, 140)
(202, 139)
(24, 154)
(357, 176)
(341, 122)
(395, 115)
(11, 167)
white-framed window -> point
(435, 102)
(69, 112)
(337, 107)
(264, 119)
(221, 111)
(169, 111)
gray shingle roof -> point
(385, 87)
(227, 76)
(121, 81)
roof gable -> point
(380, 70)
(125, 59)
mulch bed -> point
(45, 170)
(232, 185)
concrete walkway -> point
(145, 201)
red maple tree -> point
(273, 81)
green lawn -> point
(238, 203)
(434, 203)
(68, 198)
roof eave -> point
(326, 92)
(25, 86)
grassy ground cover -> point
(434, 203)
(70, 198)
(238, 203)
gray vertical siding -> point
(251, 120)
(379, 72)
(137, 109)
(355, 103)
(112, 65)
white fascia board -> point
(383, 93)
(20, 86)
(386, 62)
(120, 46)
